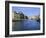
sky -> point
(28, 11)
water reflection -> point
(25, 25)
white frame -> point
(25, 32)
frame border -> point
(7, 18)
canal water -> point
(25, 25)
